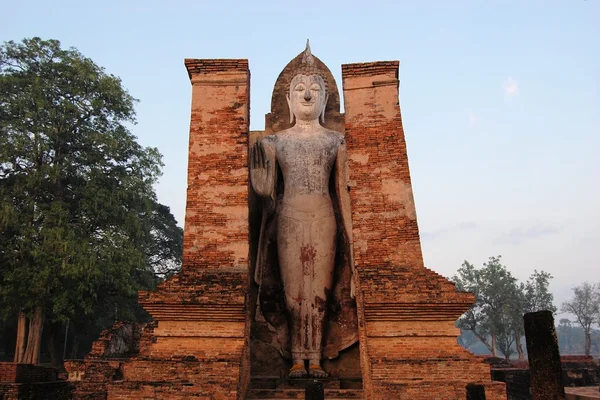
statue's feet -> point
(315, 371)
(298, 371)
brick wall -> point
(580, 371)
(406, 312)
(194, 347)
(201, 312)
(576, 370)
(25, 373)
(31, 382)
(35, 391)
(383, 211)
(8, 372)
(518, 382)
(216, 218)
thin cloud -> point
(511, 87)
(472, 118)
(518, 235)
(445, 232)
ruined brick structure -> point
(580, 374)
(201, 345)
(31, 382)
(406, 311)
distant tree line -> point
(496, 318)
(495, 322)
(585, 306)
(572, 338)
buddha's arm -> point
(263, 168)
(341, 187)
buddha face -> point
(307, 97)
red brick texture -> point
(25, 373)
(195, 349)
(383, 210)
(216, 218)
(406, 311)
(31, 382)
(199, 346)
(36, 391)
(201, 312)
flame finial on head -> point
(308, 65)
(307, 57)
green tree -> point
(585, 306)
(165, 247)
(494, 288)
(500, 299)
(537, 294)
(572, 338)
(510, 317)
(533, 296)
(565, 335)
(468, 279)
(80, 226)
(466, 338)
(496, 318)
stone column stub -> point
(544, 356)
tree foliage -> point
(80, 226)
(493, 286)
(530, 296)
(496, 318)
(572, 338)
(585, 306)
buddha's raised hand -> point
(262, 168)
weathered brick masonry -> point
(406, 313)
(31, 382)
(25, 373)
(196, 349)
(216, 218)
(383, 209)
(408, 338)
(201, 313)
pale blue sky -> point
(500, 103)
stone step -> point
(287, 394)
(583, 393)
(286, 383)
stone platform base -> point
(283, 388)
(583, 393)
(279, 389)
(59, 390)
(437, 391)
(152, 379)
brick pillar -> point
(544, 357)
(406, 312)
(383, 209)
(201, 312)
(216, 218)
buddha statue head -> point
(308, 94)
